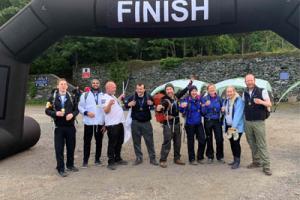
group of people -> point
(204, 118)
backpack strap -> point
(86, 94)
(71, 98)
(53, 99)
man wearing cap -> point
(257, 103)
(171, 125)
(93, 119)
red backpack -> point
(159, 116)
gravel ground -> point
(32, 174)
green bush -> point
(118, 72)
(170, 63)
(32, 90)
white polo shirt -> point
(91, 103)
(116, 114)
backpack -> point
(159, 116)
(54, 98)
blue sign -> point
(41, 81)
(284, 76)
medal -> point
(141, 109)
(63, 110)
(249, 103)
(208, 101)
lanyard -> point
(96, 97)
(141, 104)
(251, 96)
(229, 106)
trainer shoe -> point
(84, 165)
(193, 162)
(72, 169)
(163, 164)
(201, 161)
(62, 173)
(111, 166)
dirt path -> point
(31, 174)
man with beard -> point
(171, 125)
(141, 103)
(93, 119)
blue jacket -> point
(192, 112)
(237, 115)
(213, 111)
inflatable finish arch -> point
(42, 22)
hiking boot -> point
(253, 165)
(267, 171)
(138, 161)
(154, 162)
(122, 162)
(193, 162)
(236, 164)
(163, 164)
(179, 162)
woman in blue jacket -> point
(211, 111)
(191, 109)
(233, 109)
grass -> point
(35, 102)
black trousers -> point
(62, 136)
(89, 131)
(215, 126)
(235, 145)
(197, 131)
(115, 135)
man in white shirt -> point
(114, 119)
(93, 118)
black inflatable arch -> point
(42, 22)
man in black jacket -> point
(171, 126)
(62, 107)
(141, 103)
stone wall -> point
(266, 67)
